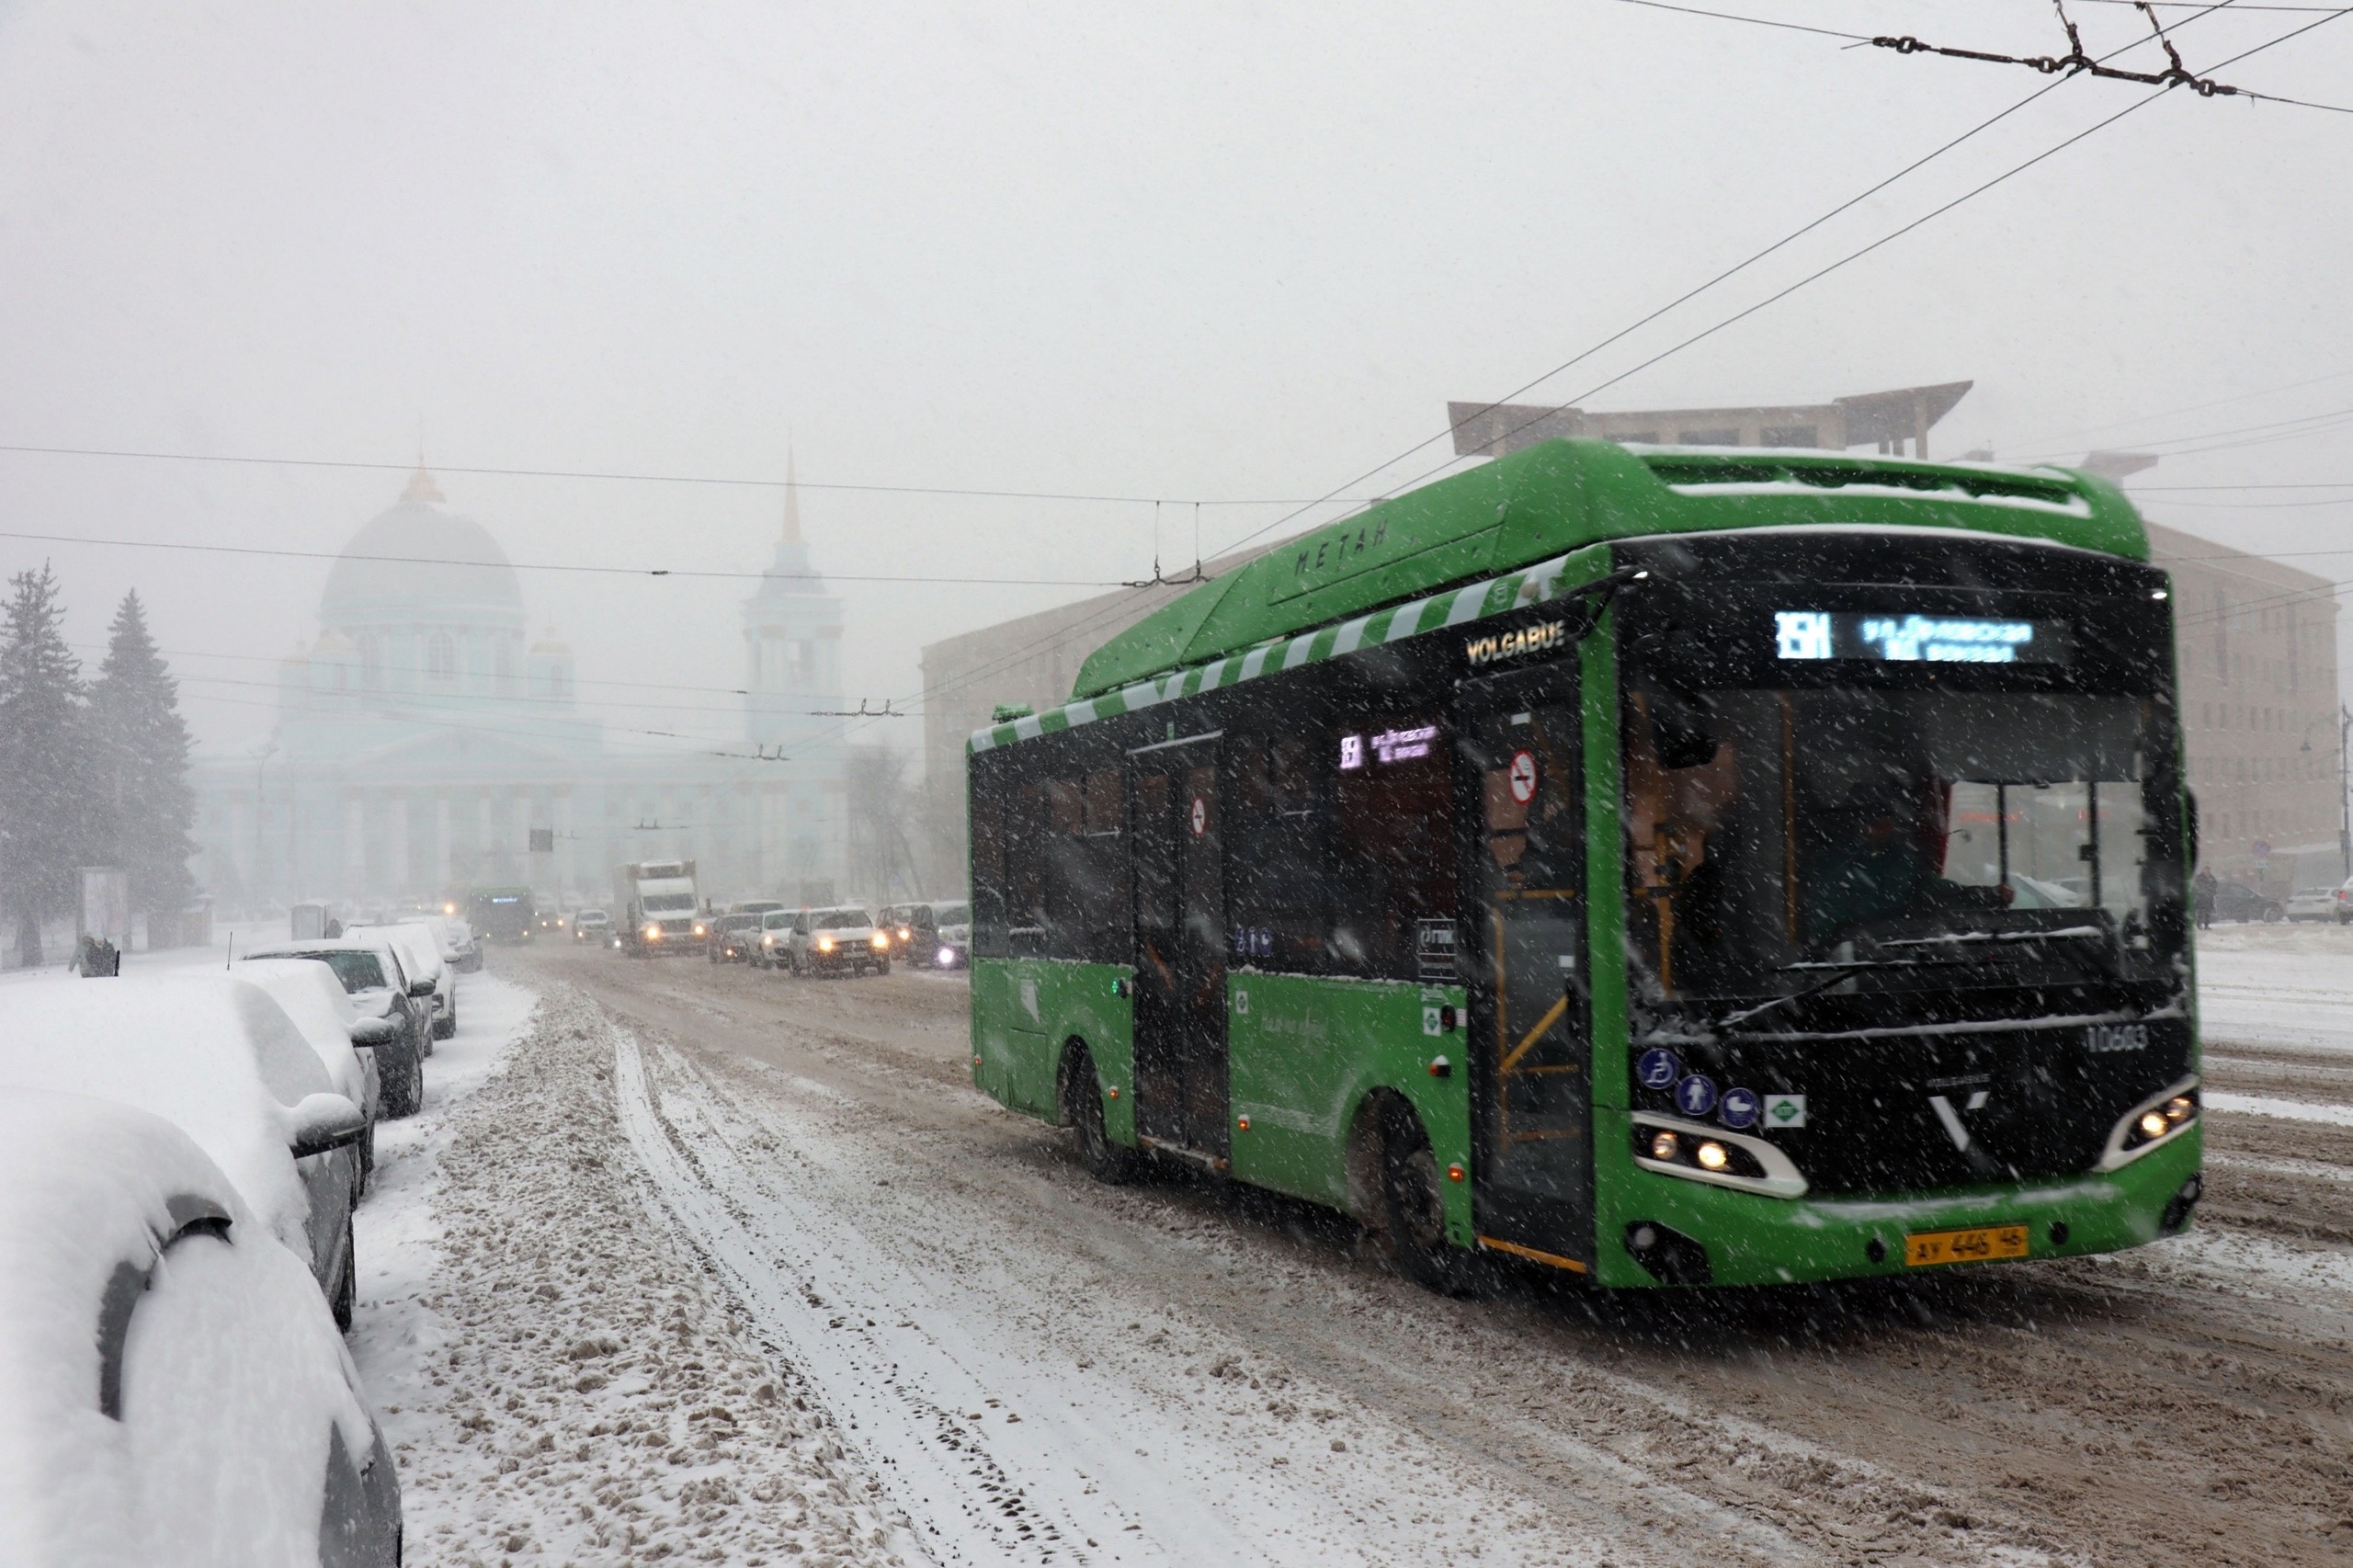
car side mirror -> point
(323, 1123)
(420, 988)
(374, 1031)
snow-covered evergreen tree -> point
(45, 784)
(141, 744)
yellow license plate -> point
(1930, 1247)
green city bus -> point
(1676, 867)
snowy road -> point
(1029, 1367)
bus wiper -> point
(1846, 969)
(2085, 959)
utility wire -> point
(720, 479)
(1753, 21)
(2076, 62)
(556, 565)
(2266, 427)
(1627, 331)
(2143, 420)
(1857, 255)
(1820, 273)
(1726, 275)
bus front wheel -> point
(1083, 1107)
(1414, 1206)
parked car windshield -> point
(357, 970)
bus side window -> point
(1392, 860)
(1276, 873)
(1028, 824)
(1086, 884)
(988, 875)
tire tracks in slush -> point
(1054, 1471)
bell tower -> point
(792, 677)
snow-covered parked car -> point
(217, 1057)
(461, 948)
(171, 1388)
(2323, 904)
(346, 1042)
(378, 985)
(421, 956)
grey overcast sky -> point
(1192, 251)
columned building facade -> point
(426, 743)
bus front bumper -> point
(1668, 1231)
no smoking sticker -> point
(1200, 816)
(1523, 776)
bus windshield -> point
(1783, 842)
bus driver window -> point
(1682, 783)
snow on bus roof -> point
(1556, 497)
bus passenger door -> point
(1530, 1042)
(1180, 1049)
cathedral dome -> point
(421, 562)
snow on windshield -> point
(356, 968)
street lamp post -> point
(2343, 801)
(260, 759)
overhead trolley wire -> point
(1632, 327)
(1027, 650)
(1809, 279)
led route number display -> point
(1390, 745)
(1891, 638)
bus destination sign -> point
(1898, 637)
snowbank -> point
(561, 1377)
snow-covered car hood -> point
(171, 1383)
(214, 1055)
(315, 1000)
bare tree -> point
(885, 812)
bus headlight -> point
(2157, 1120)
(1669, 1145)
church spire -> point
(792, 500)
(421, 486)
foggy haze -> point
(1210, 252)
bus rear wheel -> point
(1081, 1096)
(1414, 1206)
